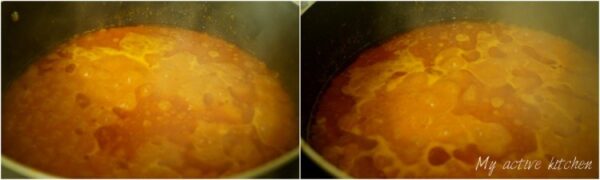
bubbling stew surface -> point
(147, 101)
(431, 102)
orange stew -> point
(147, 101)
(439, 100)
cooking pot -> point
(267, 30)
(335, 33)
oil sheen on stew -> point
(430, 102)
(147, 101)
